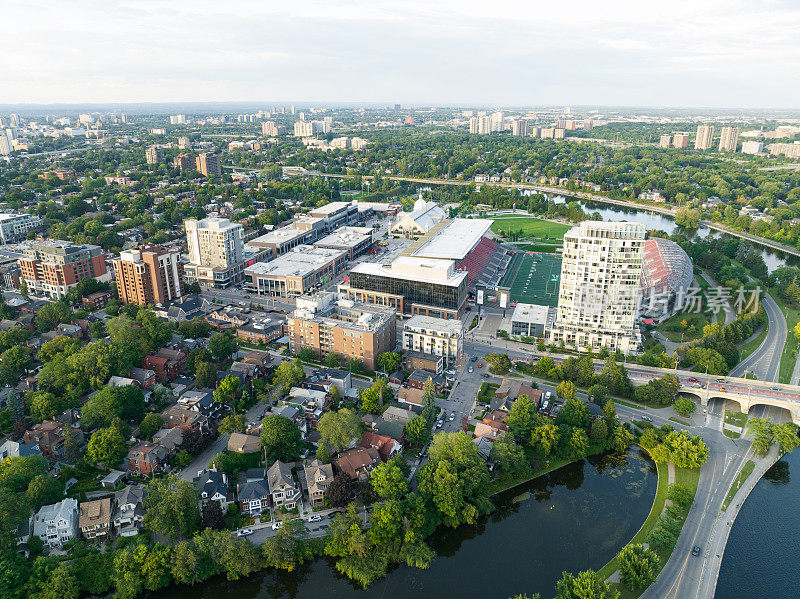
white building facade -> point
(434, 336)
(598, 298)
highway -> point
(765, 362)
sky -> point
(671, 53)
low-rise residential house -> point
(24, 532)
(417, 379)
(511, 389)
(49, 436)
(213, 487)
(318, 477)
(15, 449)
(386, 446)
(57, 524)
(188, 420)
(253, 492)
(147, 458)
(342, 379)
(94, 519)
(262, 359)
(241, 443)
(357, 463)
(283, 490)
(144, 378)
(489, 432)
(167, 363)
(251, 371)
(410, 395)
(171, 439)
(202, 402)
(128, 514)
(96, 300)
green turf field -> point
(533, 278)
(530, 227)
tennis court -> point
(533, 278)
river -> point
(762, 558)
(575, 518)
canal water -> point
(576, 518)
(762, 558)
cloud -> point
(506, 52)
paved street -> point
(765, 362)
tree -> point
(428, 401)
(615, 378)
(622, 439)
(13, 361)
(349, 542)
(339, 429)
(205, 375)
(106, 446)
(659, 391)
(498, 363)
(389, 362)
(544, 366)
(234, 423)
(222, 345)
(681, 495)
(332, 360)
(574, 413)
(455, 479)
(598, 393)
(171, 507)
(15, 507)
(686, 451)
(341, 490)
(287, 548)
(763, 436)
(44, 405)
(288, 375)
(61, 584)
(638, 566)
(372, 398)
(417, 431)
(52, 315)
(389, 481)
(109, 403)
(229, 391)
(45, 490)
(586, 585)
(16, 473)
(578, 443)
(786, 436)
(566, 389)
(280, 438)
(522, 418)
(211, 515)
(610, 416)
(510, 458)
(684, 406)
(599, 431)
(151, 423)
(544, 437)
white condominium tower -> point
(214, 242)
(598, 299)
(729, 139)
(705, 137)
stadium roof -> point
(456, 240)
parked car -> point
(315, 518)
(277, 525)
(439, 423)
(244, 532)
(452, 416)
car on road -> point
(452, 416)
(696, 551)
(244, 532)
(315, 518)
(480, 364)
(474, 358)
(694, 380)
(647, 418)
(722, 389)
(470, 369)
(775, 388)
(277, 525)
(439, 423)
(720, 380)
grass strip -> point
(744, 473)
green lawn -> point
(675, 329)
(679, 421)
(751, 346)
(533, 279)
(529, 227)
(541, 247)
(789, 354)
(746, 471)
(486, 392)
(630, 404)
(735, 418)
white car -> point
(277, 525)
(244, 532)
(315, 518)
(470, 369)
(439, 423)
(452, 416)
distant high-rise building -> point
(752, 147)
(208, 164)
(214, 242)
(559, 134)
(729, 139)
(184, 143)
(293, 110)
(6, 146)
(588, 124)
(269, 129)
(497, 120)
(177, 119)
(680, 140)
(535, 131)
(599, 289)
(547, 132)
(705, 137)
(149, 275)
(665, 141)
(303, 129)
(519, 128)
(181, 162)
(154, 154)
(473, 124)
(484, 125)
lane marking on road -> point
(677, 583)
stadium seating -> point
(483, 262)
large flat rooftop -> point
(302, 260)
(456, 240)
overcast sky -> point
(732, 53)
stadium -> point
(666, 270)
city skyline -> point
(620, 54)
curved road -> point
(765, 362)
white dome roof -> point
(420, 204)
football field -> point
(533, 278)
